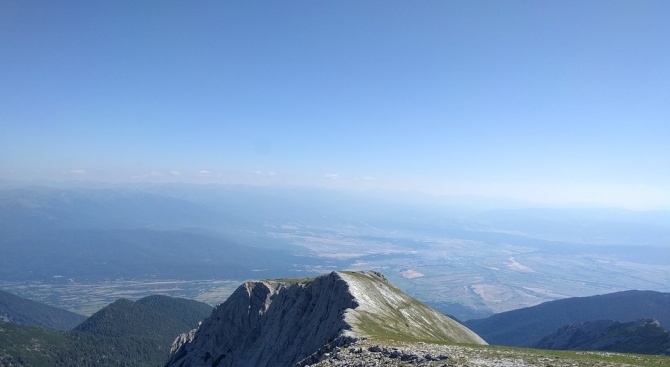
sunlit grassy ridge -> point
(386, 312)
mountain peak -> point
(283, 322)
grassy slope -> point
(386, 312)
(583, 358)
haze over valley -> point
(81, 248)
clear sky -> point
(549, 101)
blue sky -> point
(555, 102)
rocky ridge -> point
(300, 322)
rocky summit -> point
(300, 322)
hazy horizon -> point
(550, 103)
(467, 203)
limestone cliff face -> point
(274, 323)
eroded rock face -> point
(269, 323)
(272, 323)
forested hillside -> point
(23, 311)
(125, 333)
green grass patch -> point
(582, 356)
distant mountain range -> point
(23, 311)
(337, 319)
(527, 326)
(644, 336)
(125, 333)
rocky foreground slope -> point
(375, 353)
(301, 322)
